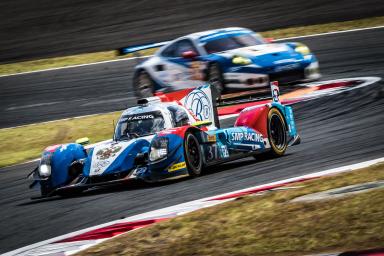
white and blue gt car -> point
(230, 58)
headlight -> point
(159, 149)
(302, 49)
(239, 60)
(44, 170)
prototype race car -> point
(165, 137)
(230, 58)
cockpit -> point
(139, 125)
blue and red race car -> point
(165, 137)
(230, 58)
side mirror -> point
(202, 123)
(82, 141)
(269, 39)
(141, 159)
(189, 54)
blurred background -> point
(46, 28)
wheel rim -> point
(145, 86)
(277, 132)
(193, 153)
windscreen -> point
(232, 41)
(139, 125)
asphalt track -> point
(336, 130)
(69, 92)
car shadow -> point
(137, 184)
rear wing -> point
(137, 48)
(199, 101)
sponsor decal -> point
(285, 61)
(247, 136)
(224, 151)
(138, 171)
(99, 165)
(211, 138)
(140, 117)
(177, 167)
(275, 91)
(286, 67)
(106, 153)
(200, 104)
(215, 151)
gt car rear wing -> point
(138, 48)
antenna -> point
(114, 128)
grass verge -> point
(27, 142)
(268, 225)
(34, 65)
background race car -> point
(230, 58)
(165, 137)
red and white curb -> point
(77, 241)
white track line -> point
(66, 248)
(140, 57)
(331, 33)
(74, 66)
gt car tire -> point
(192, 154)
(215, 77)
(277, 133)
(143, 85)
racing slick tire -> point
(143, 85)
(277, 133)
(215, 77)
(192, 154)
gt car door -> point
(181, 65)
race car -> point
(165, 137)
(230, 58)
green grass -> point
(85, 58)
(323, 28)
(268, 225)
(27, 142)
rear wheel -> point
(143, 85)
(277, 133)
(192, 155)
(215, 77)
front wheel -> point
(143, 85)
(277, 133)
(192, 154)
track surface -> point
(42, 28)
(336, 130)
(106, 87)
